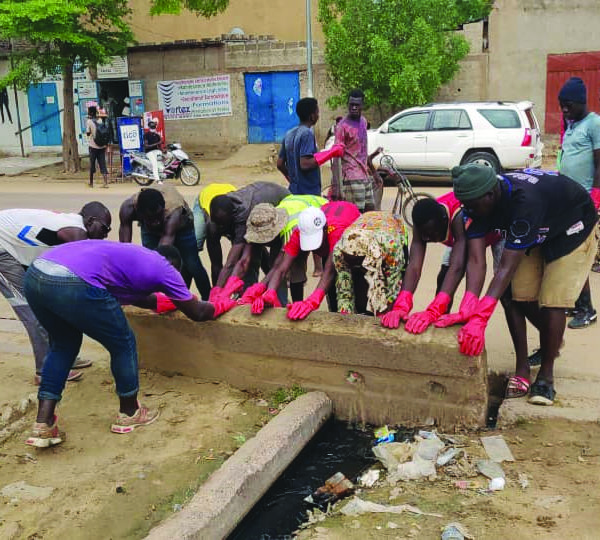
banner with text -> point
(203, 97)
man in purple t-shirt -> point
(78, 289)
(356, 186)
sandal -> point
(517, 387)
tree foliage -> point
(204, 8)
(57, 34)
(399, 52)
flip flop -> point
(517, 387)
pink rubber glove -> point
(222, 305)
(595, 195)
(399, 311)
(252, 293)
(467, 307)
(215, 292)
(163, 303)
(337, 150)
(419, 322)
(472, 335)
(269, 298)
(300, 310)
(234, 284)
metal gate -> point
(560, 67)
(271, 102)
(44, 115)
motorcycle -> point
(173, 163)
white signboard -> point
(116, 68)
(130, 137)
(87, 90)
(203, 97)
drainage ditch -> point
(337, 447)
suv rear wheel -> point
(483, 158)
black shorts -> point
(99, 155)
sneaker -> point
(583, 319)
(44, 436)
(596, 267)
(542, 393)
(142, 417)
(535, 358)
(81, 363)
(73, 376)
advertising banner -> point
(130, 138)
(203, 97)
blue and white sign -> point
(130, 138)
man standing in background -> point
(580, 161)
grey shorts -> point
(359, 192)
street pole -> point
(16, 101)
(309, 70)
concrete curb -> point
(230, 493)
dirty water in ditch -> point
(337, 447)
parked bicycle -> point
(406, 196)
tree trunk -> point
(70, 152)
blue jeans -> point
(68, 307)
(185, 242)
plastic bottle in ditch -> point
(451, 532)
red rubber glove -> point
(163, 303)
(472, 335)
(399, 311)
(234, 284)
(215, 292)
(595, 195)
(252, 293)
(222, 305)
(300, 310)
(269, 298)
(337, 150)
(419, 322)
(466, 309)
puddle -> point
(338, 446)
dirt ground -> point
(159, 467)
(560, 460)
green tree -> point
(399, 52)
(204, 8)
(58, 33)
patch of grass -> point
(281, 396)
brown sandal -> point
(517, 387)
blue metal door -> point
(44, 115)
(286, 93)
(271, 101)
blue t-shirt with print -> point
(580, 140)
(300, 142)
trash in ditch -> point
(497, 484)
(497, 449)
(475, 485)
(489, 468)
(392, 454)
(354, 377)
(358, 506)
(384, 435)
(455, 531)
(447, 456)
(177, 507)
(335, 488)
(422, 464)
(369, 478)
(523, 481)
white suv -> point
(432, 139)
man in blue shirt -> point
(581, 161)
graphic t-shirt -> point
(339, 215)
(128, 271)
(353, 135)
(539, 208)
(27, 233)
(300, 142)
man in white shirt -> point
(24, 235)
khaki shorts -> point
(556, 284)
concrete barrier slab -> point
(402, 378)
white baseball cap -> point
(311, 223)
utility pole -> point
(309, 70)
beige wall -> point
(284, 19)
(524, 32)
(225, 133)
